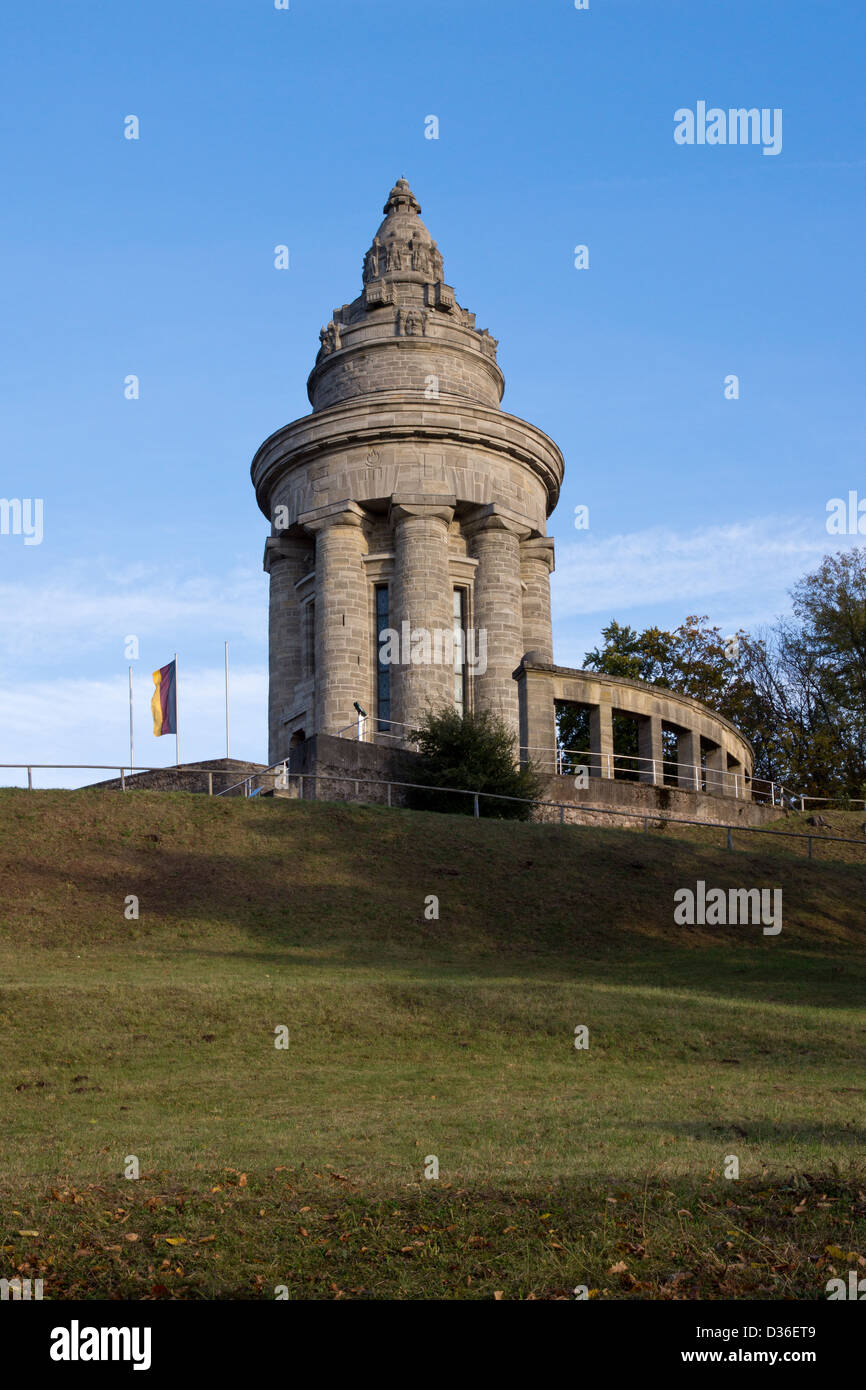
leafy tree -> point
(811, 671)
(695, 660)
(475, 751)
(692, 660)
(797, 690)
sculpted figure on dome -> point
(420, 258)
(371, 261)
(330, 337)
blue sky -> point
(260, 127)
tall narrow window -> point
(460, 650)
(308, 638)
(383, 670)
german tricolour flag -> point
(163, 706)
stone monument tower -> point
(408, 561)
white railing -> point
(365, 729)
(283, 780)
(124, 772)
(761, 790)
(278, 772)
(830, 801)
(309, 785)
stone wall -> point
(656, 802)
(189, 777)
(330, 766)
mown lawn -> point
(411, 1038)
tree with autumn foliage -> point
(796, 690)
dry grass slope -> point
(409, 1037)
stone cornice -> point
(405, 417)
(540, 548)
(346, 513)
(433, 506)
(494, 517)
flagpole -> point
(176, 714)
(227, 740)
(131, 742)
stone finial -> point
(402, 249)
(401, 199)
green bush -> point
(475, 751)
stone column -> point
(537, 719)
(536, 567)
(649, 745)
(601, 739)
(343, 636)
(689, 759)
(494, 540)
(422, 602)
(717, 764)
(286, 560)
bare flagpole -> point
(131, 740)
(176, 714)
(227, 740)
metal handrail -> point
(563, 806)
(360, 724)
(281, 766)
(122, 769)
(706, 775)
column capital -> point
(538, 548)
(345, 513)
(494, 517)
(439, 505)
(284, 547)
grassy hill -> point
(411, 1037)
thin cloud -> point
(83, 608)
(730, 565)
